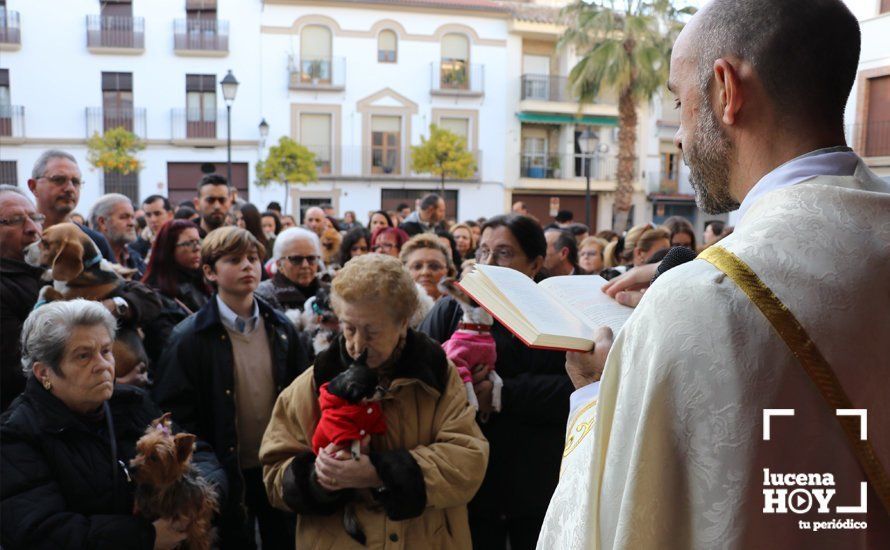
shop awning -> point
(556, 118)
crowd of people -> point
(239, 316)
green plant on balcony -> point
(115, 151)
(454, 74)
(287, 163)
(443, 154)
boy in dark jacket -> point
(220, 375)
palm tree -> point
(624, 46)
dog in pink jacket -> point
(472, 344)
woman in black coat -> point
(526, 437)
(69, 438)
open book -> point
(558, 313)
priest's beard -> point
(708, 159)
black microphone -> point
(677, 255)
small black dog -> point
(357, 384)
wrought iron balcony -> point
(201, 35)
(602, 167)
(116, 31)
(371, 162)
(197, 124)
(10, 28)
(12, 121)
(542, 87)
(317, 74)
(100, 120)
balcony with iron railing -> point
(542, 87)
(12, 122)
(323, 74)
(870, 139)
(100, 120)
(115, 34)
(368, 162)
(455, 77)
(201, 37)
(555, 166)
(198, 126)
(10, 30)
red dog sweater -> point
(342, 421)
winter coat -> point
(61, 487)
(527, 436)
(195, 380)
(283, 294)
(431, 458)
(19, 285)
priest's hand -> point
(628, 288)
(586, 368)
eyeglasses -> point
(433, 266)
(502, 255)
(193, 244)
(589, 254)
(298, 260)
(61, 180)
(384, 246)
(18, 221)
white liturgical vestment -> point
(676, 456)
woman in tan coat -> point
(411, 485)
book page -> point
(538, 306)
(583, 295)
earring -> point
(47, 384)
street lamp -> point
(229, 87)
(264, 131)
(587, 143)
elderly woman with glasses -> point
(534, 401)
(69, 438)
(410, 484)
(297, 257)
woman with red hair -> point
(388, 240)
(174, 267)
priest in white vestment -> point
(670, 449)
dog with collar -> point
(77, 270)
(472, 345)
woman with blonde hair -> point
(410, 485)
(650, 241)
(590, 254)
(465, 240)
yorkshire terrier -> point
(472, 344)
(319, 321)
(169, 486)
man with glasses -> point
(297, 257)
(20, 225)
(56, 183)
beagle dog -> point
(77, 270)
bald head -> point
(314, 220)
(804, 52)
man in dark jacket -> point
(220, 374)
(526, 438)
(430, 217)
(20, 225)
(65, 479)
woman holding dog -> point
(68, 440)
(410, 485)
(527, 435)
